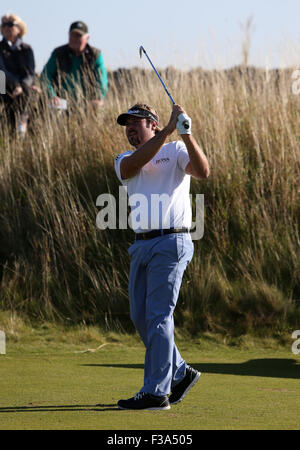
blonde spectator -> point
(17, 63)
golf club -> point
(142, 50)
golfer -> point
(163, 246)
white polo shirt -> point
(159, 193)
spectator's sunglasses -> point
(9, 24)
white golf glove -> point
(184, 124)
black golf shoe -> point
(182, 388)
(142, 400)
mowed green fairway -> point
(56, 386)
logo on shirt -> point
(162, 161)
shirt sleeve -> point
(117, 164)
(29, 78)
(101, 75)
(182, 155)
(48, 74)
(11, 80)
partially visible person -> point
(76, 71)
(17, 63)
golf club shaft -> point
(163, 84)
(185, 123)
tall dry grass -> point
(245, 276)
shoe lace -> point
(139, 395)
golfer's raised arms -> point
(142, 134)
(138, 131)
(198, 166)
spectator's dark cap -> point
(79, 27)
(136, 112)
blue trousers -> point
(156, 271)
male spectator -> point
(17, 64)
(76, 71)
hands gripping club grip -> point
(184, 124)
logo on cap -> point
(79, 26)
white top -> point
(159, 193)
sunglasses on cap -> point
(9, 24)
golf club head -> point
(141, 51)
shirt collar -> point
(16, 45)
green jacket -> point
(68, 75)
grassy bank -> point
(245, 276)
